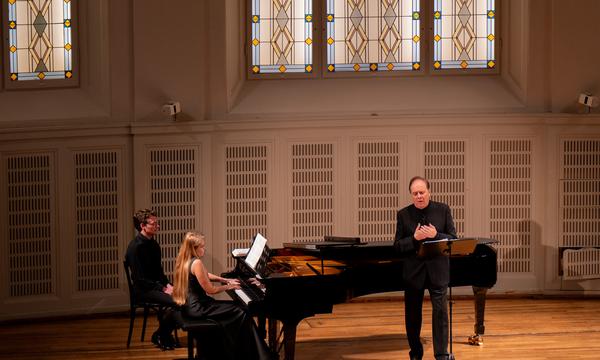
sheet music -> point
(239, 252)
(256, 251)
(437, 241)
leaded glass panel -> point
(464, 34)
(372, 35)
(281, 36)
(40, 39)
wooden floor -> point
(523, 328)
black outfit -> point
(149, 279)
(241, 338)
(425, 273)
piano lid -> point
(328, 241)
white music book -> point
(239, 252)
(256, 251)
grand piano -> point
(302, 280)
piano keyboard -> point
(242, 295)
(249, 293)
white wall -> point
(136, 55)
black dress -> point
(241, 339)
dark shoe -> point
(414, 355)
(175, 340)
(154, 338)
(168, 342)
(163, 343)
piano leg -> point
(273, 329)
(289, 340)
(261, 325)
(288, 331)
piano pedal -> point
(476, 340)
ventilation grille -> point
(312, 191)
(580, 194)
(30, 202)
(173, 191)
(580, 211)
(378, 191)
(445, 169)
(245, 196)
(581, 264)
(510, 203)
(97, 236)
(581, 159)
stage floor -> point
(523, 328)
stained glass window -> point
(281, 36)
(372, 35)
(40, 39)
(464, 34)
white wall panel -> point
(246, 196)
(291, 185)
(510, 199)
(312, 191)
(63, 205)
(579, 211)
(445, 168)
(175, 187)
(379, 168)
(31, 227)
(98, 184)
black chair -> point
(201, 332)
(136, 303)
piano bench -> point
(199, 332)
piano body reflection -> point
(302, 280)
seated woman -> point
(193, 285)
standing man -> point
(149, 280)
(424, 220)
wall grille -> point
(580, 194)
(97, 227)
(445, 170)
(245, 196)
(581, 264)
(173, 194)
(31, 241)
(581, 159)
(312, 191)
(580, 208)
(378, 190)
(510, 203)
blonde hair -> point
(187, 251)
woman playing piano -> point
(194, 284)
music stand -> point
(448, 247)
